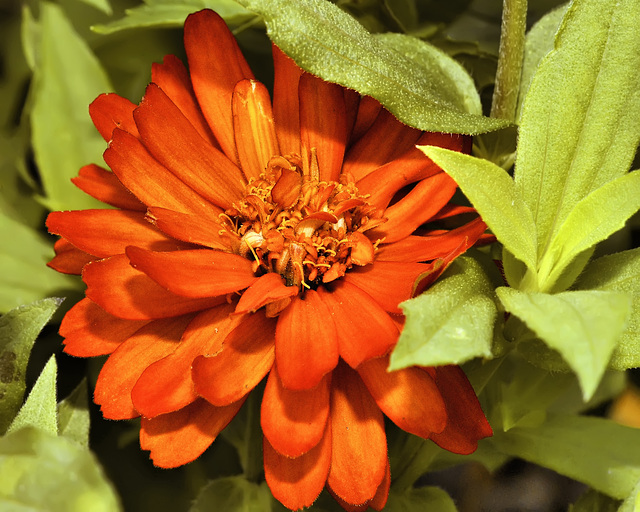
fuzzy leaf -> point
(73, 416)
(39, 410)
(18, 331)
(581, 117)
(233, 494)
(493, 193)
(328, 42)
(450, 323)
(583, 326)
(432, 499)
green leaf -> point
(621, 273)
(450, 323)
(40, 408)
(101, 5)
(583, 326)
(328, 42)
(73, 416)
(595, 451)
(593, 501)
(493, 193)
(41, 472)
(64, 138)
(632, 503)
(432, 499)
(233, 494)
(18, 331)
(581, 117)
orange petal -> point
(359, 443)
(387, 282)
(368, 111)
(123, 368)
(69, 259)
(166, 385)
(156, 186)
(105, 233)
(296, 483)
(196, 273)
(106, 187)
(306, 342)
(351, 102)
(180, 437)
(253, 126)
(268, 288)
(176, 144)
(323, 124)
(286, 191)
(246, 357)
(125, 292)
(216, 65)
(409, 397)
(377, 502)
(364, 329)
(172, 77)
(294, 421)
(285, 101)
(430, 247)
(110, 111)
(90, 331)
(466, 423)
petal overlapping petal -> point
(106, 187)
(110, 111)
(265, 290)
(286, 110)
(69, 259)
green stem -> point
(505, 94)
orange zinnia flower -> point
(251, 242)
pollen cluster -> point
(307, 230)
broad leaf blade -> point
(432, 499)
(232, 494)
(73, 416)
(328, 42)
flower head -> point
(252, 241)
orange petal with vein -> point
(110, 111)
(69, 259)
(368, 111)
(377, 502)
(106, 187)
(266, 289)
(286, 111)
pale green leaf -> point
(581, 117)
(328, 42)
(73, 415)
(101, 5)
(421, 499)
(39, 410)
(64, 138)
(493, 193)
(41, 472)
(583, 326)
(619, 272)
(18, 331)
(594, 501)
(450, 323)
(632, 502)
(595, 451)
(233, 494)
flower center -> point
(308, 231)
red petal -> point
(294, 421)
(409, 397)
(359, 443)
(156, 186)
(254, 127)
(180, 437)
(246, 357)
(176, 144)
(387, 282)
(106, 187)
(467, 423)
(216, 65)
(197, 273)
(296, 483)
(285, 102)
(121, 290)
(110, 111)
(323, 124)
(90, 331)
(123, 368)
(364, 329)
(268, 288)
(69, 259)
(306, 342)
(368, 110)
(105, 233)
(166, 385)
(172, 77)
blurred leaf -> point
(18, 331)
(583, 326)
(68, 78)
(593, 501)
(432, 499)
(328, 42)
(73, 416)
(581, 117)
(403, 12)
(632, 502)
(450, 323)
(39, 410)
(101, 5)
(41, 472)
(233, 494)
